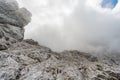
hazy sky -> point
(109, 3)
(86, 25)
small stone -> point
(3, 47)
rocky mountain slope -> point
(27, 60)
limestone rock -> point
(27, 60)
(12, 21)
(10, 13)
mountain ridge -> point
(27, 60)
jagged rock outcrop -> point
(10, 13)
(12, 21)
(27, 60)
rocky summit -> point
(27, 60)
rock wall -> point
(12, 22)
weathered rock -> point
(33, 62)
(27, 60)
(11, 14)
(3, 46)
(12, 21)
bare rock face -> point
(11, 14)
(27, 60)
(12, 21)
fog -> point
(74, 24)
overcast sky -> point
(85, 25)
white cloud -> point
(74, 24)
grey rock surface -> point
(10, 13)
(12, 22)
(27, 60)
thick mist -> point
(74, 24)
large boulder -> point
(10, 13)
(12, 22)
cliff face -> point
(27, 60)
(12, 21)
